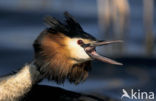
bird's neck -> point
(15, 86)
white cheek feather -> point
(77, 51)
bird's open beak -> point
(90, 50)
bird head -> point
(64, 51)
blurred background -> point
(133, 21)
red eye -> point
(80, 42)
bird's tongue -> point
(96, 56)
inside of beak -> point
(90, 50)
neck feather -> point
(13, 87)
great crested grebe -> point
(62, 51)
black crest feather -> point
(55, 24)
(71, 22)
(70, 27)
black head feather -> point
(71, 23)
(55, 24)
(70, 28)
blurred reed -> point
(148, 26)
(113, 18)
(113, 21)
